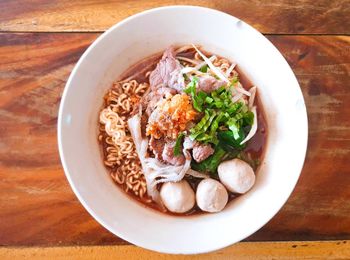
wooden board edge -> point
(338, 249)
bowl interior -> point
(138, 37)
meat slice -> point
(201, 152)
(169, 157)
(177, 80)
(164, 151)
(157, 147)
(166, 71)
(150, 100)
(209, 84)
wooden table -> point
(40, 42)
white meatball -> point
(178, 197)
(236, 175)
(211, 195)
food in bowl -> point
(183, 132)
(112, 54)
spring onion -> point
(197, 98)
(204, 68)
(177, 147)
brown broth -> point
(254, 149)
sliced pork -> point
(167, 73)
(164, 151)
(163, 73)
(209, 84)
(177, 80)
(200, 152)
(169, 157)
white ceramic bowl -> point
(138, 37)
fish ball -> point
(237, 175)
(178, 197)
(211, 195)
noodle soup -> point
(183, 132)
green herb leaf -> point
(248, 118)
(227, 138)
(220, 90)
(208, 100)
(234, 108)
(191, 87)
(235, 80)
(196, 104)
(177, 147)
(204, 68)
(206, 138)
(203, 125)
(215, 125)
(234, 124)
(197, 99)
(220, 112)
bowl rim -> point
(90, 210)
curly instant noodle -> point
(119, 149)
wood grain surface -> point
(305, 250)
(276, 17)
(37, 206)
